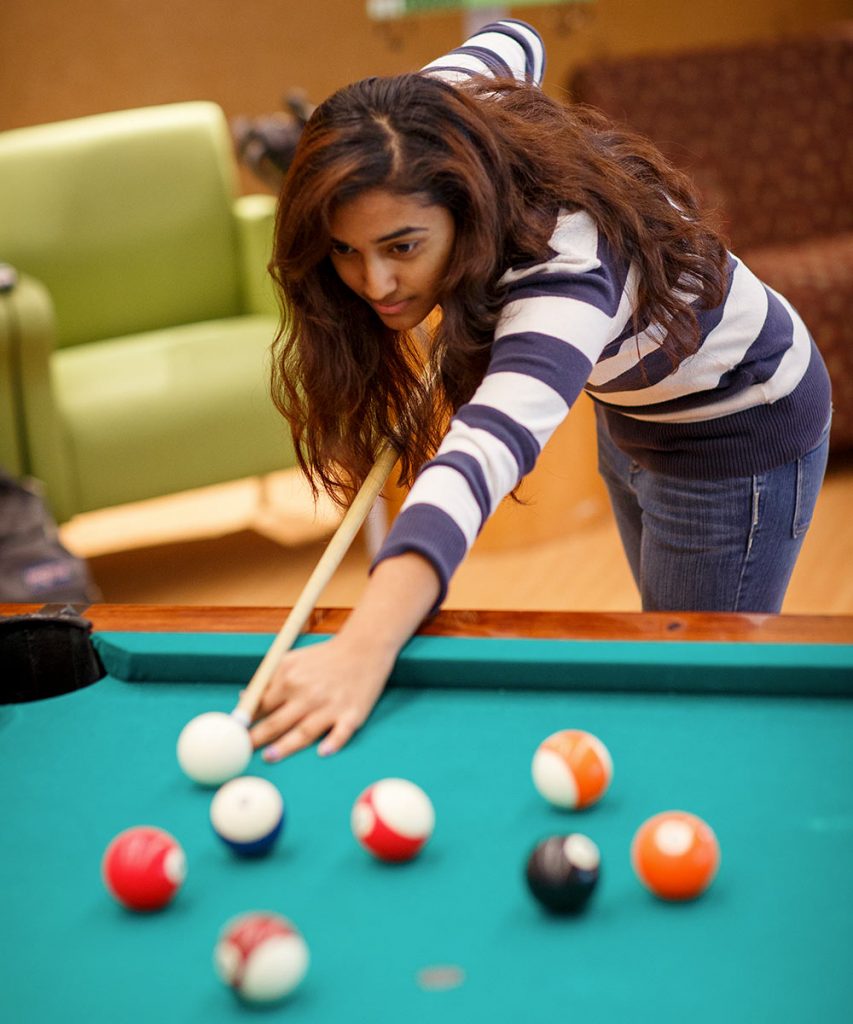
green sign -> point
(383, 10)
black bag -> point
(34, 566)
(267, 144)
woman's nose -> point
(379, 280)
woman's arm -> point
(502, 49)
(329, 689)
(558, 318)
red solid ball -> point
(143, 867)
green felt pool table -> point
(745, 720)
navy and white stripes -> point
(504, 49)
(754, 395)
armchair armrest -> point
(255, 219)
(11, 442)
(27, 342)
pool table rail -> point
(659, 626)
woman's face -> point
(393, 251)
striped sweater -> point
(753, 396)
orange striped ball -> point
(572, 769)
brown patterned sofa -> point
(766, 131)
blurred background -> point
(66, 58)
(743, 74)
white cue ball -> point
(213, 748)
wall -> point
(66, 58)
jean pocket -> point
(810, 472)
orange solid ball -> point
(676, 855)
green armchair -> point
(134, 345)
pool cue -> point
(317, 581)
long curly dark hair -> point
(503, 158)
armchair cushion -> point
(143, 223)
(183, 407)
(137, 336)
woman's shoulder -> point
(574, 247)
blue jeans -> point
(712, 545)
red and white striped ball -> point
(393, 819)
(261, 956)
(143, 867)
(572, 769)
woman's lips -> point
(390, 310)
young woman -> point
(565, 255)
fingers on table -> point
(340, 734)
(294, 726)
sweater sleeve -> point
(502, 49)
(559, 317)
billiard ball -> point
(213, 748)
(393, 819)
(261, 956)
(143, 867)
(675, 855)
(562, 872)
(572, 769)
(248, 815)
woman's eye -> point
(404, 248)
(339, 249)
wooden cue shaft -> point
(317, 581)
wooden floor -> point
(256, 542)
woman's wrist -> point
(368, 647)
(400, 593)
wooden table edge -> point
(692, 626)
